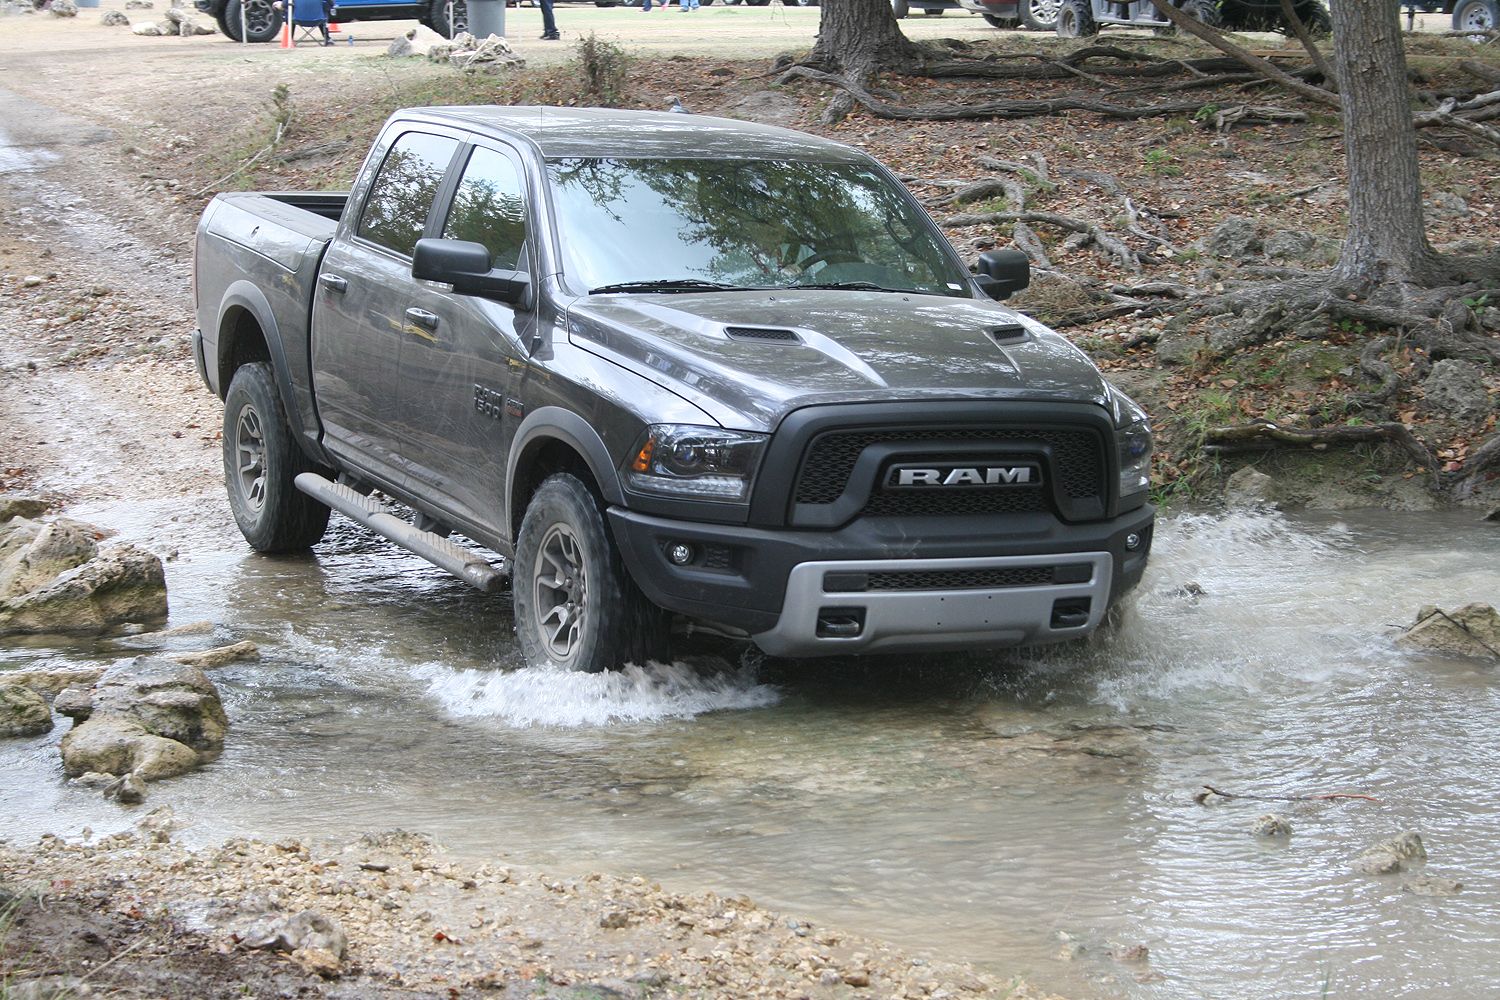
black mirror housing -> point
(466, 266)
(1002, 273)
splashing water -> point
(543, 696)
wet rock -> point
(63, 8)
(1456, 389)
(114, 19)
(769, 107)
(1249, 488)
(23, 712)
(1272, 826)
(129, 790)
(158, 825)
(1473, 630)
(1236, 238)
(614, 920)
(75, 702)
(307, 931)
(14, 505)
(1428, 885)
(149, 28)
(94, 779)
(189, 27)
(52, 550)
(1132, 953)
(55, 681)
(174, 700)
(119, 746)
(219, 655)
(120, 584)
(1493, 516)
(1390, 856)
(1290, 244)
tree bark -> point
(1387, 240)
(860, 38)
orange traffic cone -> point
(286, 34)
(333, 26)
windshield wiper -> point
(866, 286)
(670, 285)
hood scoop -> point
(762, 333)
(1007, 333)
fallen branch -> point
(1218, 440)
(1202, 797)
(1091, 231)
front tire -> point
(1075, 19)
(261, 19)
(900, 8)
(575, 606)
(261, 460)
(437, 18)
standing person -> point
(549, 23)
(646, 5)
(687, 5)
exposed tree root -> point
(1265, 435)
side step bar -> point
(463, 563)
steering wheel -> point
(827, 257)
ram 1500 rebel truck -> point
(663, 369)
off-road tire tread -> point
(290, 520)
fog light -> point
(681, 553)
(1132, 541)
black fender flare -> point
(567, 427)
(243, 294)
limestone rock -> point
(218, 656)
(64, 8)
(23, 712)
(1290, 244)
(15, 505)
(1390, 856)
(75, 703)
(174, 700)
(1428, 885)
(148, 28)
(121, 584)
(1250, 488)
(139, 4)
(493, 55)
(416, 42)
(129, 790)
(53, 550)
(116, 745)
(1456, 389)
(1272, 825)
(54, 681)
(306, 931)
(1447, 205)
(114, 19)
(1472, 630)
(1236, 238)
(1179, 347)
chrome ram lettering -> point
(988, 475)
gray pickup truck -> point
(667, 370)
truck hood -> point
(747, 358)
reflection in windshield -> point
(756, 223)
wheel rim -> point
(460, 16)
(250, 458)
(560, 588)
(259, 16)
(1478, 17)
(1044, 11)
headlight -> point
(704, 463)
(1133, 441)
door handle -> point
(333, 282)
(423, 318)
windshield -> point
(691, 225)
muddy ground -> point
(112, 145)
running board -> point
(466, 564)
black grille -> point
(919, 503)
(963, 579)
(760, 333)
(1077, 466)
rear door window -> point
(489, 207)
(396, 210)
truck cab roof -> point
(599, 132)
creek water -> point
(1026, 810)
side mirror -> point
(1002, 273)
(466, 266)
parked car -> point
(1036, 15)
(662, 367)
(262, 21)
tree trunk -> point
(860, 38)
(1387, 240)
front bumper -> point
(799, 593)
